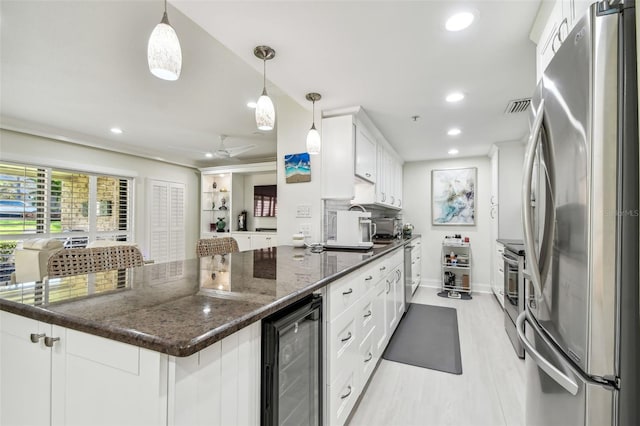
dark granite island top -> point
(179, 308)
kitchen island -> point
(172, 343)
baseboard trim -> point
(477, 287)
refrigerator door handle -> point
(561, 378)
(532, 144)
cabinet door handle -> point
(367, 174)
(399, 203)
(392, 199)
(566, 26)
(367, 315)
(344, 293)
(413, 263)
(558, 39)
(35, 338)
(49, 341)
(383, 268)
(369, 358)
(369, 278)
(388, 287)
(347, 338)
(346, 395)
(384, 197)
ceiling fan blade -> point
(240, 149)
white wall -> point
(29, 149)
(293, 125)
(417, 210)
(511, 163)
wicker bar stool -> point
(77, 261)
(221, 245)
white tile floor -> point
(490, 390)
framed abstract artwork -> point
(453, 196)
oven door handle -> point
(510, 260)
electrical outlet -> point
(305, 228)
(303, 210)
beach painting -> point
(297, 168)
(453, 196)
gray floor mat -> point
(427, 336)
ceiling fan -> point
(224, 152)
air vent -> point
(517, 105)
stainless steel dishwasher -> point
(408, 276)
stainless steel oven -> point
(514, 263)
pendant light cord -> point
(313, 113)
(264, 74)
(165, 6)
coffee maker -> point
(354, 230)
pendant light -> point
(313, 137)
(163, 51)
(265, 112)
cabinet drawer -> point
(365, 316)
(366, 359)
(367, 278)
(342, 294)
(342, 344)
(384, 267)
(343, 394)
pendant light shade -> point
(265, 111)
(163, 51)
(313, 137)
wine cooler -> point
(292, 365)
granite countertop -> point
(181, 307)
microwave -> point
(387, 227)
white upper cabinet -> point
(558, 23)
(338, 157)
(358, 164)
(365, 154)
(388, 191)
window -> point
(265, 200)
(41, 202)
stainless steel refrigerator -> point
(581, 323)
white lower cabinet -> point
(359, 333)
(255, 240)
(219, 385)
(343, 393)
(54, 375)
(243, 239)
(380, 336)
(67, 377)
(25, 372)
(498, 282)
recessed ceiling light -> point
(454, 132)
(208, 155)
(453, 151)
(252, 105)
(455, 97)
(459, 21)
(116, 130)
